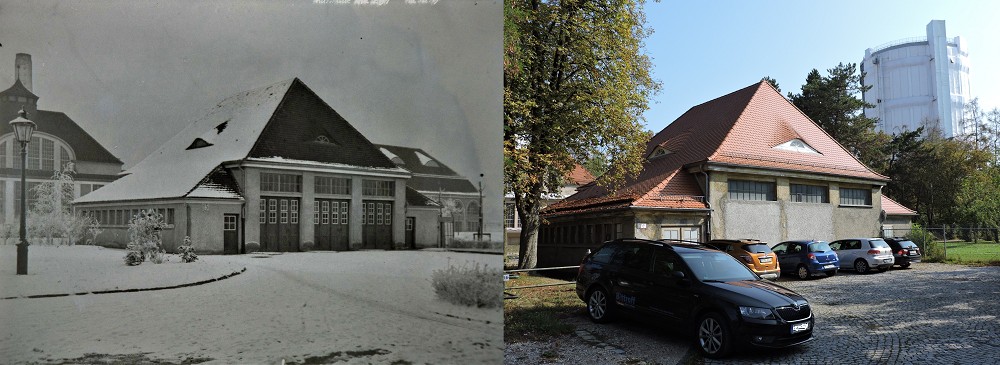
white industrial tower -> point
(918, 82)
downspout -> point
(243, 212)
(708, 204)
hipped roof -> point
(891, 207)
(739, 129)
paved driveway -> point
(316, 307)
(928, 314)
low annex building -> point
(56, 142)
(274, 165)
(745, 165)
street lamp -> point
(22, 133)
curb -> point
(112, 291)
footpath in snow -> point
(54, 270)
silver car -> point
(863, 254)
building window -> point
(294, 212)
(809, 193)
(272, 211)
(282, 183)
(508, 215)
(263, 211)
(343, 212)
(284, 211)
(326, 212)
(388, 214)
(229, 222)
(861, 197)
(333, 185)
(378, 188)
(752, 190)
(316, 213)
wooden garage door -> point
(279, 224)
(332, 221)
(376, 227)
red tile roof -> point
(738, 129)
(579, 176)
(891, 207)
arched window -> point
(45, 152)
(472, 216)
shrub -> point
(133, 258)
(144, 237)
(931, 250)
(471, 286)
(186, 251)
(307, 246)
(252, 247)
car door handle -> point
(624, 283)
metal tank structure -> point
(921, 81)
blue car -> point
(806, 258)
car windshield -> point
(907, 244)
(819, 246)
(716, 266)
(879, 244)
(757, 248)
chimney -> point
(22, 67)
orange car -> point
(754, 253)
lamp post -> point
(22, 133)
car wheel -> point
(803, 272)
(906, 265)
(861, 266)
(714, 340)
(599, 306)
(831, 273)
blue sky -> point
(705, 49)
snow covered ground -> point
(80, 269)
(315, 307)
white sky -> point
(133, 74)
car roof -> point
(676, 245)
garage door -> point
(332, 221)
(376, 228)
(279, 224)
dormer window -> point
(797, 145)
(659, 152)
(323, 139)
(198, 143)
(219, 128)
(426, 160)
(392, 156)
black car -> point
(707, 291)
(904, 251)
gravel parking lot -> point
(927, 314)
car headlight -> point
(756, 313)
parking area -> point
(927, 314)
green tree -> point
(834, 102)
(576, 81)
(978, 200)
(930, 177)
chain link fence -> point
(954, 243)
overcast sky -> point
(410, 73)
(705, 49)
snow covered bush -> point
(144, 237)
(475, 286)
(133, 258)
(307, 246)
(252, 247)
(186, 251)
(7, 231)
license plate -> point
(828, 267)
(765, 260)
(913, 253)
(800, 327)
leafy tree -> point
(576, 81)
(834, 102)
(930, 177)
(978, 200)
(597, 165)
(51, 214)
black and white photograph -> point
(304, 182)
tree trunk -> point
(528, 206)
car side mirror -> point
(678, 274)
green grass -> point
(982, 253)
(538, 312)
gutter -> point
(708, 203)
